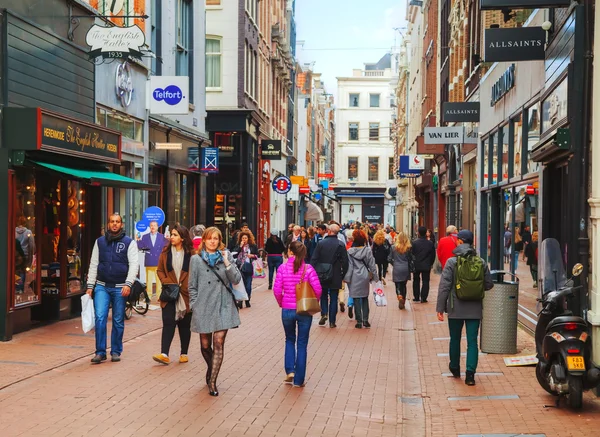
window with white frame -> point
(352, 131)
(155, 36)
(185, 37)
(354, 100)
(373, 168)
(251, 8)
(250, 64)
(373, 131)
(374, 100)
(213, 62)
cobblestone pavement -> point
(386, 381)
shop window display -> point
(25, 240)
(517, 144)
(533, 136)
(50, 239)
(75, 225)
(504, 151)
(485, 162)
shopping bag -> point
(239, 291)
(259, 270)
(88, 319)
(378, 294)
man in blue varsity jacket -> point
(113, 269)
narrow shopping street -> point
(390, 380)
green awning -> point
(104, 178)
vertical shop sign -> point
(210, 160)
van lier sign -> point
(115, 42)
(444, 135)
(460, 112)
(518, 44)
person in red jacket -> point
(447, 245)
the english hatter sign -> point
(115, 42)
(460, 112)
(518, 44)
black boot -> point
(470, 378)
(455, 372)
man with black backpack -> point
(330, 260)
(463, 284)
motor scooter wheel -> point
(575, 396)
(543, 378)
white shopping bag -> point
(88, 319)
(378, 294)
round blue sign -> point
(282, 184)
(154, 214)
(141, 226)
(171, 95)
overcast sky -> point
(346, 24)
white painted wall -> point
(222, 22)
(303, 136)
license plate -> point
(575, 363)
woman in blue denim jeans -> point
(294, 271)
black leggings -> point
(401, 288)
(212, 347)
(168, 331)
(382, 269)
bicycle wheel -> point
(143, 303)
(128, 311)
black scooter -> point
(563, 341)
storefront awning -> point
(313, 212)
(103, 178)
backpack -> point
(468, 278)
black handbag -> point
(169, 293)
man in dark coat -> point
(330, 251)
(423, 251)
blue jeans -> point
(515, 256)
(103, 297)
(247, 277)
(273, 262)
(296, 348)
(329, 301)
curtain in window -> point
(213, 63)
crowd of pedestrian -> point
(201, 279)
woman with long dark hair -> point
(247, 251)
(173, 268)
(275, 248)
(290, 274)
(214, 311)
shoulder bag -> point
(307, 303)
(169, 293)
(325, 270)
(236, 294)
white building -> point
(364, 153)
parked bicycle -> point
(138, 300)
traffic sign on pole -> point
(282, 184)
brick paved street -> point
(386, 381)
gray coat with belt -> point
(447, 301)
(213, 306)
(361, 263)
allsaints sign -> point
(523, 4)
(503, 85)
(460, 112)
(518, 44)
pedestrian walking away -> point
(531, 253)
(290, 274)
(330, 260)
(381, 252)
(196, 234)
(401, 260)
(174, 268)
(113, 268)
(446, 245)
(213, 306)
(246, 252)
(517, 248)
(462, 287)
(424, 253)
(361, 271)
(275, 248)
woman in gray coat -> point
(213, 306)
(401, 260)
(361, 271)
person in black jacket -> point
(423, 251)
(275, 248)
(246, 252)
(330, 255)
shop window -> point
(533, 136)
(353, 168)
(504, 153)
(484, 172)
(373, 168)
(156, 177)
(213, 63)
(50, 249)
(75, 227)
(517, 124)
(26, 262)
(353, 131)
(128, 126)
(493, 160)
(374, 100)
(391, 174)
(373, 131)
(354, 100)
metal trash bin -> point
(500, 312)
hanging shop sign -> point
(193, 159)
(124, 84)
(416, 162)
(304, 189)
(522, 4)
(271, 149)
(444, 135)
(328, 175)
(115, 42)
(503, 85)
(405, 170)
(209, 160)
(282, 184)
(169, 95)
(515, 44)
(460, 112)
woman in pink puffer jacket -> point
(288, 276)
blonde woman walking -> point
(401, 260)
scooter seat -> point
(565, 319)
